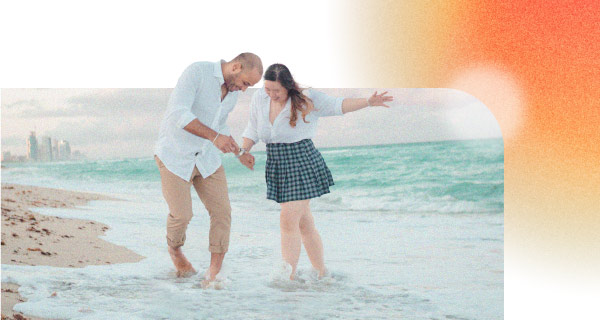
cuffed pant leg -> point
(176, 192)
(215, 197)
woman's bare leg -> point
(289, 222)
(312, 241)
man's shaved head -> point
(242, 72)
(249, 62)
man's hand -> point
(247, 160)
(226, 144)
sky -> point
(150, 54)
(124, 123)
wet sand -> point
(33, 239)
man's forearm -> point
(198, 128)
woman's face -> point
(276, 91)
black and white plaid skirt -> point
(296, 171)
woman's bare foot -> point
(323, 273)
(293, 274)
(183, 266)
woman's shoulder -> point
(309, 92)
(313, 93)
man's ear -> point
(236, 67)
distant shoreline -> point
(261, 151)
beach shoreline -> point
(30, 238)
(405, 230)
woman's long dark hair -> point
(300, 103)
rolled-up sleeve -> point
(183, 95)
(251, 131)
(325, 105)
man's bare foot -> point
(216, 262)
(186, 273)
(183, 266)
(206, 284)
(212, 272)
(209, 281)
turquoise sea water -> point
(443, 177)
(411, 231)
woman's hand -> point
(379, 100)
(247, 160)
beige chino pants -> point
(212, 190)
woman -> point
(285, 118)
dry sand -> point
(29, 238)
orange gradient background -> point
(536, 65)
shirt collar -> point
(265, 95)
(218, 72)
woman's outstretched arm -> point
(354, 104)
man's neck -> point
(224, 68)
(225, 72)
(224, 91)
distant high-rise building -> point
(55, 149)
(46, 149)
(64, 150)
(32, 147)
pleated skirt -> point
(296, 171)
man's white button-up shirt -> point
(196, 95)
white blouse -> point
(260, 128)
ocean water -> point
(410, 231)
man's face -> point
(242, 80)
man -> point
(192, 135)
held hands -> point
(247, 160)
(379, 100)
(226, 144)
